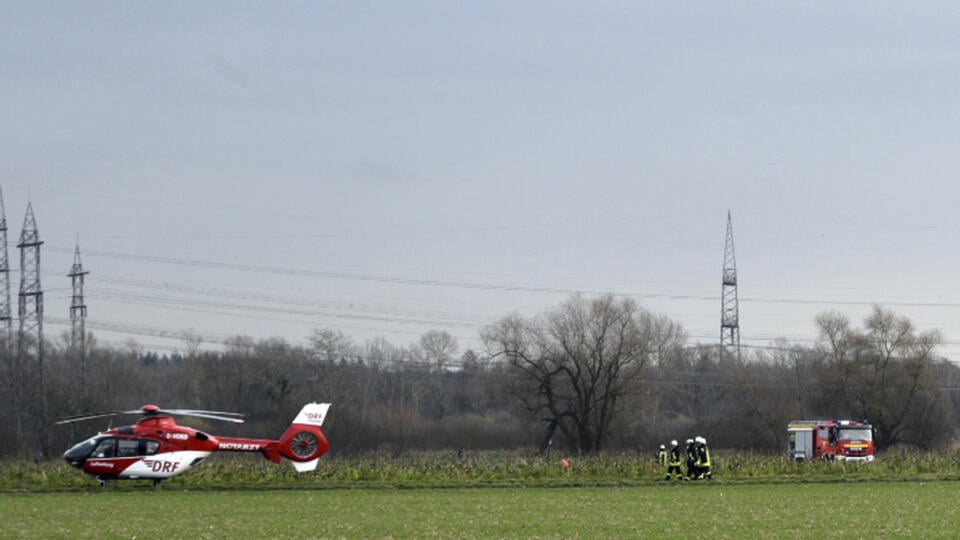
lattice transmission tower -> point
(730, 309)
(6, 312)
(31, 311)
(78, 315)
(10, 368)
(31, 295)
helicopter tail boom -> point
(302, 443)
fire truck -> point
(842, 440)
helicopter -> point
(157, 448)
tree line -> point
(589, 375)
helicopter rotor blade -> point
(89, 416)
(201, 411)
(212, 415)
(153, 410)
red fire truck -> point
(843, 440)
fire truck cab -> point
(842, 440)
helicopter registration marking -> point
(177, 436)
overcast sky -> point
(388, 168)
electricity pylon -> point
(78, 316)
(6, 313)
(31, 312)
(730, 308)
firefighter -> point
(704, 461)
(662, 456)
(691, 459)
(674, 471)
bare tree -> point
(578, 362)
(883, 373)
(439, 348)
(766, 385)
(242, 346)
(192, 341)
(331, 345)
(381, 352)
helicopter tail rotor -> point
(304, 442)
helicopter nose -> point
(74, 458)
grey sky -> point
(390, 168)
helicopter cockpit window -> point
(127, 447)
(80, 451)
(105, 449)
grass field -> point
(491, 494)
(834, 510)
(486, 469)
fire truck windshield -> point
(856, 434)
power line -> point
(288, 300)
(503, 287)
(311, 313)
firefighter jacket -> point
(703, 456)
(675, 456)
(691, 454)
(662, 456)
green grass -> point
(436, 495)
(829, 510)
(486, 469)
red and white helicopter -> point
(157, 448)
